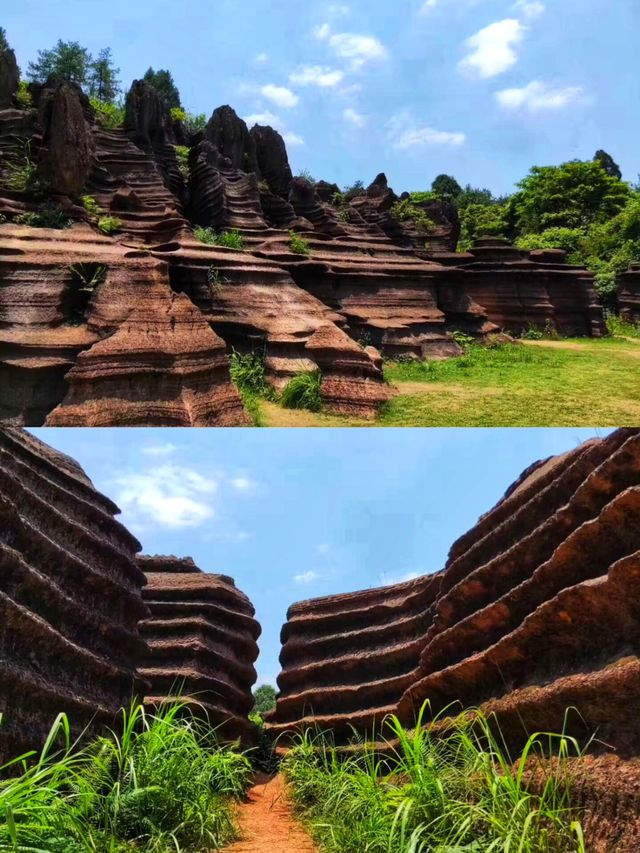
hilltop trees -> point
(68, 60)
(103, 82)
(608, 164)
(446, 186)
(163, 83)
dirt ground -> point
(266, 821)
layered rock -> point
(9, 77)
(272, 159)
(230, 135)
(70, 597)
(534, 612)
(67, 153)
(629, 294)
(202, 635)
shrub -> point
(303, 392)
(618, 327)
(23, 96)
(182, 156)
(195, 123)
(108, 115)
(354, 190)
(248, 372)
(306, 175)
(49, 216)
(177, 114)
(230, 240)
(298, 245)
(20, 172)
(204, 235)
(407, 211)
(91, 205)
(109, 224)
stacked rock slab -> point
(70, 597)
(202, 636)
(629, 294)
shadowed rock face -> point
(629, 294)
(9, 77)
(202, 642)
(273, 162)
(66, 157)
(535, 612)
(230, 135)
(70, 598)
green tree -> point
(68, 60)
(482, 220)
(475, 195)
(103, 78)
(265, 699)
(163, 83)
(4, 44)
(608, 164)
(446, 186)
(573, 195)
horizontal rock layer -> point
(202, 636)
(70, 599)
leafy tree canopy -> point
(608, 164)
(446, 186)
(474, 195)
(265, 699)
(163, 83)
(4, 44)
(68, 60)
(103, 78)
(483, 220)
(572, 195)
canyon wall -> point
(201, 634)
(70, 597)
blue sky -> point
(294, 514)
(481, 89)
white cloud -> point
(169, 495)
(358, 49)
(408, 576)
(293, 140)
(538, 96)
(307, 577)
(266, 117)
(322, 32)
(160, 449)
(404, 134)
(261, 59)
(280, 95)
(492, 49)
(353, 117)
(529, 9)
(316, 75)
(243, 484)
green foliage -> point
(480, 220)
(91, 205)
(298, 244)
(576, 194)
(160, 784)
(215, 282)
(446, 186)
(306, 175)
(303, 392)
(446, 794)
(618, 327)
(182, 156)
(569, 239)
(23, 96)
(4, 44)
(408, 211)
(67, 60)
(103, 84)
(109, 224)
(353, 190)
(608, 164)
(48, 216)
(248, 373)
(177, 114)
(195, 123)
(19, 170)
(475, 195)
(422, 196)
(230, 240)
(108, 115)
(264, 698)
(163, 83)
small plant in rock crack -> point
(91, 205)
(230, 240)
(19, 170)
(298, 244)
(204, 235)
(216, 282)
(182, 156)
(84, 280)
(109, 224)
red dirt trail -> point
(266, 822)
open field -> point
(581, 382)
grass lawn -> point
(581, 382)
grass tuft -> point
(303, 392)
(109, 224)
(298, 244)
(461, 793)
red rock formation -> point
(202, 642)
(230, 135)
(9, 77)
(66, 156)
(70, 597)
(629, 294)
(272, 159)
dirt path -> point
(267, 824)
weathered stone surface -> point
(230, 134)
(536, 612)
(70, 597)
(9, 77)
(629, 294)
(272, 159)
(68, 147)
(146, 118)
(202, 638)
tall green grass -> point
(457, 792)
(304, 391)
(157, 783)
